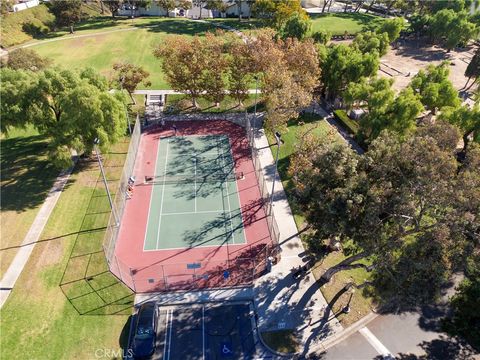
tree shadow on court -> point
(86, 281)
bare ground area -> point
(403, 62)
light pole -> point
(255, 108)
(95, 145)
(278, 137)
(122, 79)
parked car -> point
(143, 343)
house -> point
(195, 12)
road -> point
(407, 336)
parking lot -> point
(206, 332)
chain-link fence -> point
(113, 226)
(262, 184)
(240, 268)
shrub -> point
(350, 125)
(322, 37)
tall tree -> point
(71, 109)
(296, 26)
(343, 64)
(384, 111)
(473, 69)
(369, 42)
(289, 81)
(167, 5)
(394, 205)
(240, 69)
(451, 27)
(67, 13)
(129, 76)
(467, 119)
(215, 71)
(113, 6)
(26, 59)
(183, 63)
(392, 27)
(434, 87)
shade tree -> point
(401, 208)
(67, 13)
(434, 87)
(128, 76)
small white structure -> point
(24, 5)
(356, 113)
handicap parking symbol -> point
(226, 350)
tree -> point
(15, 83)
(67, 13)
(400, 207)
(369, 42)
(434, 87)
(384, 111)
(183, 62)
(452, 27)
(129, 76)
(5, 7)
(26, 59)
(240, 69)
(167, 5)
(467, 119)
(321, 37)
(296, 26)
(343, 64)
(473, 69)
(113, 6)
(290, 77)
(392, 27)
(215, 71)
(278, 12)
(71, 109)
(264, 9)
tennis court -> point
(194, 217)
(195, 199)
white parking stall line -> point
(203, 331)
(373, 340)
(166, 335)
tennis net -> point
(193, 178)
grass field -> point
(307, 122)
(338, 24)
(27, 176)
(360, 305)
(135, 45)
(43, 320)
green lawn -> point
(360, 304)
(65, 304)
(135, 46)
(27, 176)
(307, 122)
(337, 24)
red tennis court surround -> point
(192, 267)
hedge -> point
(350, 125)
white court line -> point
(238, 192)
(163, 192)
(203, 331)
(228, 200)
(196, 212)
(195, 183)
(373, 340)
(151, 198)
(166, 334)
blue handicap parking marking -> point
(226, 349)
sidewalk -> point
(281, 301)
(16, 267)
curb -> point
(339, 337)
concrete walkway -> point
(16, 267)
(281, 301)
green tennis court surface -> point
(194, 200)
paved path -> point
(16, 267)
(174, 92)
(281, 301)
